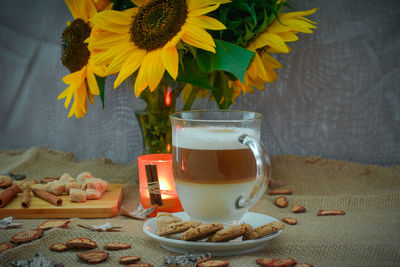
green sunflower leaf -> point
(101, 82)
(228, 57)
(189, 72)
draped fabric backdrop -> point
(337, 95)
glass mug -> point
(220, 167)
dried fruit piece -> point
(280, 192)
(46, 225)
(49, 179)
(129, 259)
(289, 220)
(139, 265)
(281, 202)
(303, 265)
(58, 247)
(298, 209)
(330, 212)
(213, 263)
(93, 257)
(4, 246)
(82, 242)
(263, 230)
(267, 262)
(26, 236)
(117, 246)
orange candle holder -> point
(156, 184)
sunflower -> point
(78, 58)
(273, 40)
(146, 39)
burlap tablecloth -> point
(368, 235)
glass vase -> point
(153, 119)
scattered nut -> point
(330, 212)
(280, 192)
(298, 209)
(5, 246)
(48, 224)
(281, 202)
(213, 263)
(289, 220)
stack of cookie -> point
(167, 225)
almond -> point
(281, 202)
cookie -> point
(164, 218)
(129, 259)
(93, 257)
(229, 233)
(58, 247)
(213, 263)
(48, 224)
(267, 262)
(81, 243)
(26, 236)
(178, 227)
(201, 231)
(117, 246)
(263, 230)
(289, 220)
(281, 202)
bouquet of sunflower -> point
(219, 49)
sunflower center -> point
(158, 22)
(75, 53)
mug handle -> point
(263, 172)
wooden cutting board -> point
(105, 207)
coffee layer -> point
(213, 166)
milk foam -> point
(211, 138)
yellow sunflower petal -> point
(288, 36)
(111, 20)
(297, 13)
(202, 11)
(205, 22)
(73, 77)
(118, 60)
(131, 64)
(155, 68)
(199, 4)
(107, 56)
(74, 7)
(273, 40)
(92, 82)
(170, 60)
(198, 37)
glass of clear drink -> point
(220, 167)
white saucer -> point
(233, 247)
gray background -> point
(337, 96)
